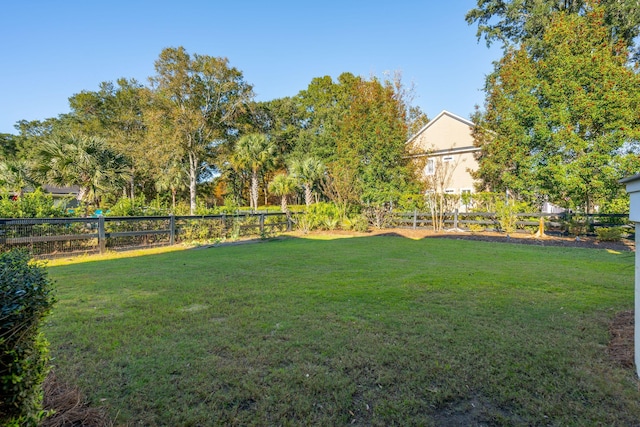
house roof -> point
(438, 117)
(73, 190)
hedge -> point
(26, 297)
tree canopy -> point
(197, 100)
(562, 124)
(197, 122)
(513, 22)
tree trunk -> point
(283, 204)
(193, 167)
(254, 191)
(308, 196)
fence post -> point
(224, 224)
(102, 236)
(415, 218)
(455, 219)
(261, 223)
(289, 223)
(172, 229)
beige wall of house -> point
(447, 142)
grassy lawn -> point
(365, 331)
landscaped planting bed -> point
(377, 330)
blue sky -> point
(53, 49)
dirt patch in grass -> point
(620, 347)
(69, 406)
(474, 410)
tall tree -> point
(116, 112)
(513, 22)
(197, 98)
(255, 152)
(562, 124)
(322, 106)
(372, 136)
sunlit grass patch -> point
(373, 330)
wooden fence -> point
(51, 237)
(62, 236)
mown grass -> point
(367, 331)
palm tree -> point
(84, 161)
(174, 177)
(282, 185)
(254, 152)
(307, 171)
(15, 176)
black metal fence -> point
(62, 236)
(51, 237)
(570, 223)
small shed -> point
(633, 188)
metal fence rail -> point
(51, 237)
(62, 236)
(559, 222)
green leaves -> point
(197, 100)
(562, 119)
(26, 297)
(513, 22)
(254, 152)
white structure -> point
(633, 188)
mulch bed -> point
(624, 245)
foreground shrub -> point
(25, 299)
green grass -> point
(370, 331)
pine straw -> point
(620, 347)
(69, 406)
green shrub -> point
(30, 205)
(304, 222)
(379, 216)
(507, 214)
(577, 227)
(25, 299)
(324, 215)
(411, 202)
(356, 223)
(127, 207)
(609, 234)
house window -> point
(430, 167)
(450, 190)
(447, 159)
